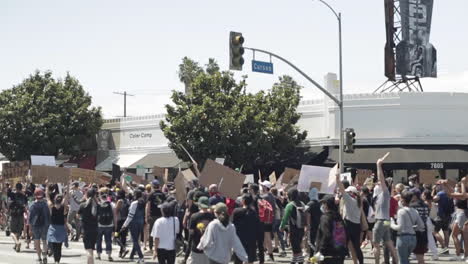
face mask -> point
(322, 208)
(411, 184)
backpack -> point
(339, 234)
(265, 211)
(105, 214)
(17, 206)
(301, 217)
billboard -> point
(415, 55)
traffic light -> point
(236, 51)
(349, 140)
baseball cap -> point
(266, 184)
(352, 189)
(39, 193)
(203, 202)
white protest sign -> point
(220, 160)
(249, 178)
(346, 177)
(317, 174)
(43, 161)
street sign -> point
(262, 66)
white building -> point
(421, 130)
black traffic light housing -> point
(236, 50)
(349, 140)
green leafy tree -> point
(188, 71)
(220, 119)
(44, 116)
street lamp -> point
(340, 105)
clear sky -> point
(117, 45)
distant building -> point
(421, 130)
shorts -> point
(381, 232)
(460, 218)
(40, 232)
(16, 224)
(442, 223)
(89, 239)
(371, 226)
(268, 228)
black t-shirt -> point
(156, 198)
(197, 218)
(313, 208)
(18, 204)
(247, 224)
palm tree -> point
(188, 71)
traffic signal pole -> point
(339, 101)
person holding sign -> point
(382, 215)
(352, 217)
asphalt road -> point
(76, 254)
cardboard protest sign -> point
(133, 177)
(43, 160)
(229, 181)
(428, 176)
(180, 184)
(53, 174)
(249, 178)
(362, 175)
(272, 178)
(89, 176)
(188, 175)
(289, 174)
(158, 171)
(279, 181)
(17, 169)
(293, 182)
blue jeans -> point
(135, 232)
(276, 225)
(405, 245)
(107, 233)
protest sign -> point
(229, 181)
(272, 178)
(180, 184)
(362, 175)
(40, 174)
(16, 169)
(188, 175)
(220, 161)
(428, 176)
(289, 174)
(324, 175)
(43, 160)
(317, 185)
(346, 177)
(249, 178)
(293, 182)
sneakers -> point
(140, 261)
(124, 253)
(456, 258)
(110, 259)
(275, 250)
(271, 258)
(283, 254)
(444, 251)
(435, 257)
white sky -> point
(117, 45)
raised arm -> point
(380, 173)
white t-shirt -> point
(164, 230)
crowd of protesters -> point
(264, 221)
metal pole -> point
(125, 104)
(341, 148)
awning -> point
(123, 160)
(417, 157)
(163, 160)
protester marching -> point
(218, 216)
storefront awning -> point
(433, 157)
(163, 160)
(123, 160)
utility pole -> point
(125, 94)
